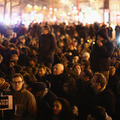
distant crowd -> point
(52, 71)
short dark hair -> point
(101, 79)
(17, 75)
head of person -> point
(72, 46)
(77, 68)
(61, 107)
(97, 113)
(113, 60)
(112, 70)
(84, 64)
(86, 45)
(32, 62)
(22, 39)
(46, 29)
(87, 74)
(61, 44)
(14, 57)
(58, 69)
(102, 34)
(39, 88)
(12, 46)
(1, 58)
(117, 65)
(98, 82)
(17, 81)
(75, 59)
(14, 35)
(86, 56)
(79, 47)
(42, 70)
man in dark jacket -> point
(101, 54)
(56, 79)
(47, 46)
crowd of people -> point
(60, 72)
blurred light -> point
(50, 12)
(34, 12)
(44, 7)
(64, 14)
(72, 5)
(28, 5)
(74, 8)
(88, 40)
(54, 18)
(55, 9)
(7, 19)
(65, 1)
(35, 6)
(50, 8)
(93, 42)
(69, 13)
(91, 0)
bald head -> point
(58, 69)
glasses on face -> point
(17, 82)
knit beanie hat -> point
(103, 33)
(38, 86)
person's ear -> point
(23, 82)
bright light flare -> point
(29, 6)
(44, 7)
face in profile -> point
(58, 69)
(57, 107)
(41, 72)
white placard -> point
(6, 102)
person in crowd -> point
(14, 39)
(85, 64)
(110, 32)
(62, 110)
(100, 57)
(103, 96)
(6, 52)
(85, 48)
(113, 60)
(3, 67)
(56, 79)
(117, 66)
(47, 47)
(117, 32)
(86, 56)
(113, 80)
(98, 113)
(42, 72)
(45, 99)
(24, 101)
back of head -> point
(103, 33)
(97, 113)
(100, 78)
(38, 86)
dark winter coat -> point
(44, 106)
(100, 57)
(47, 46)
